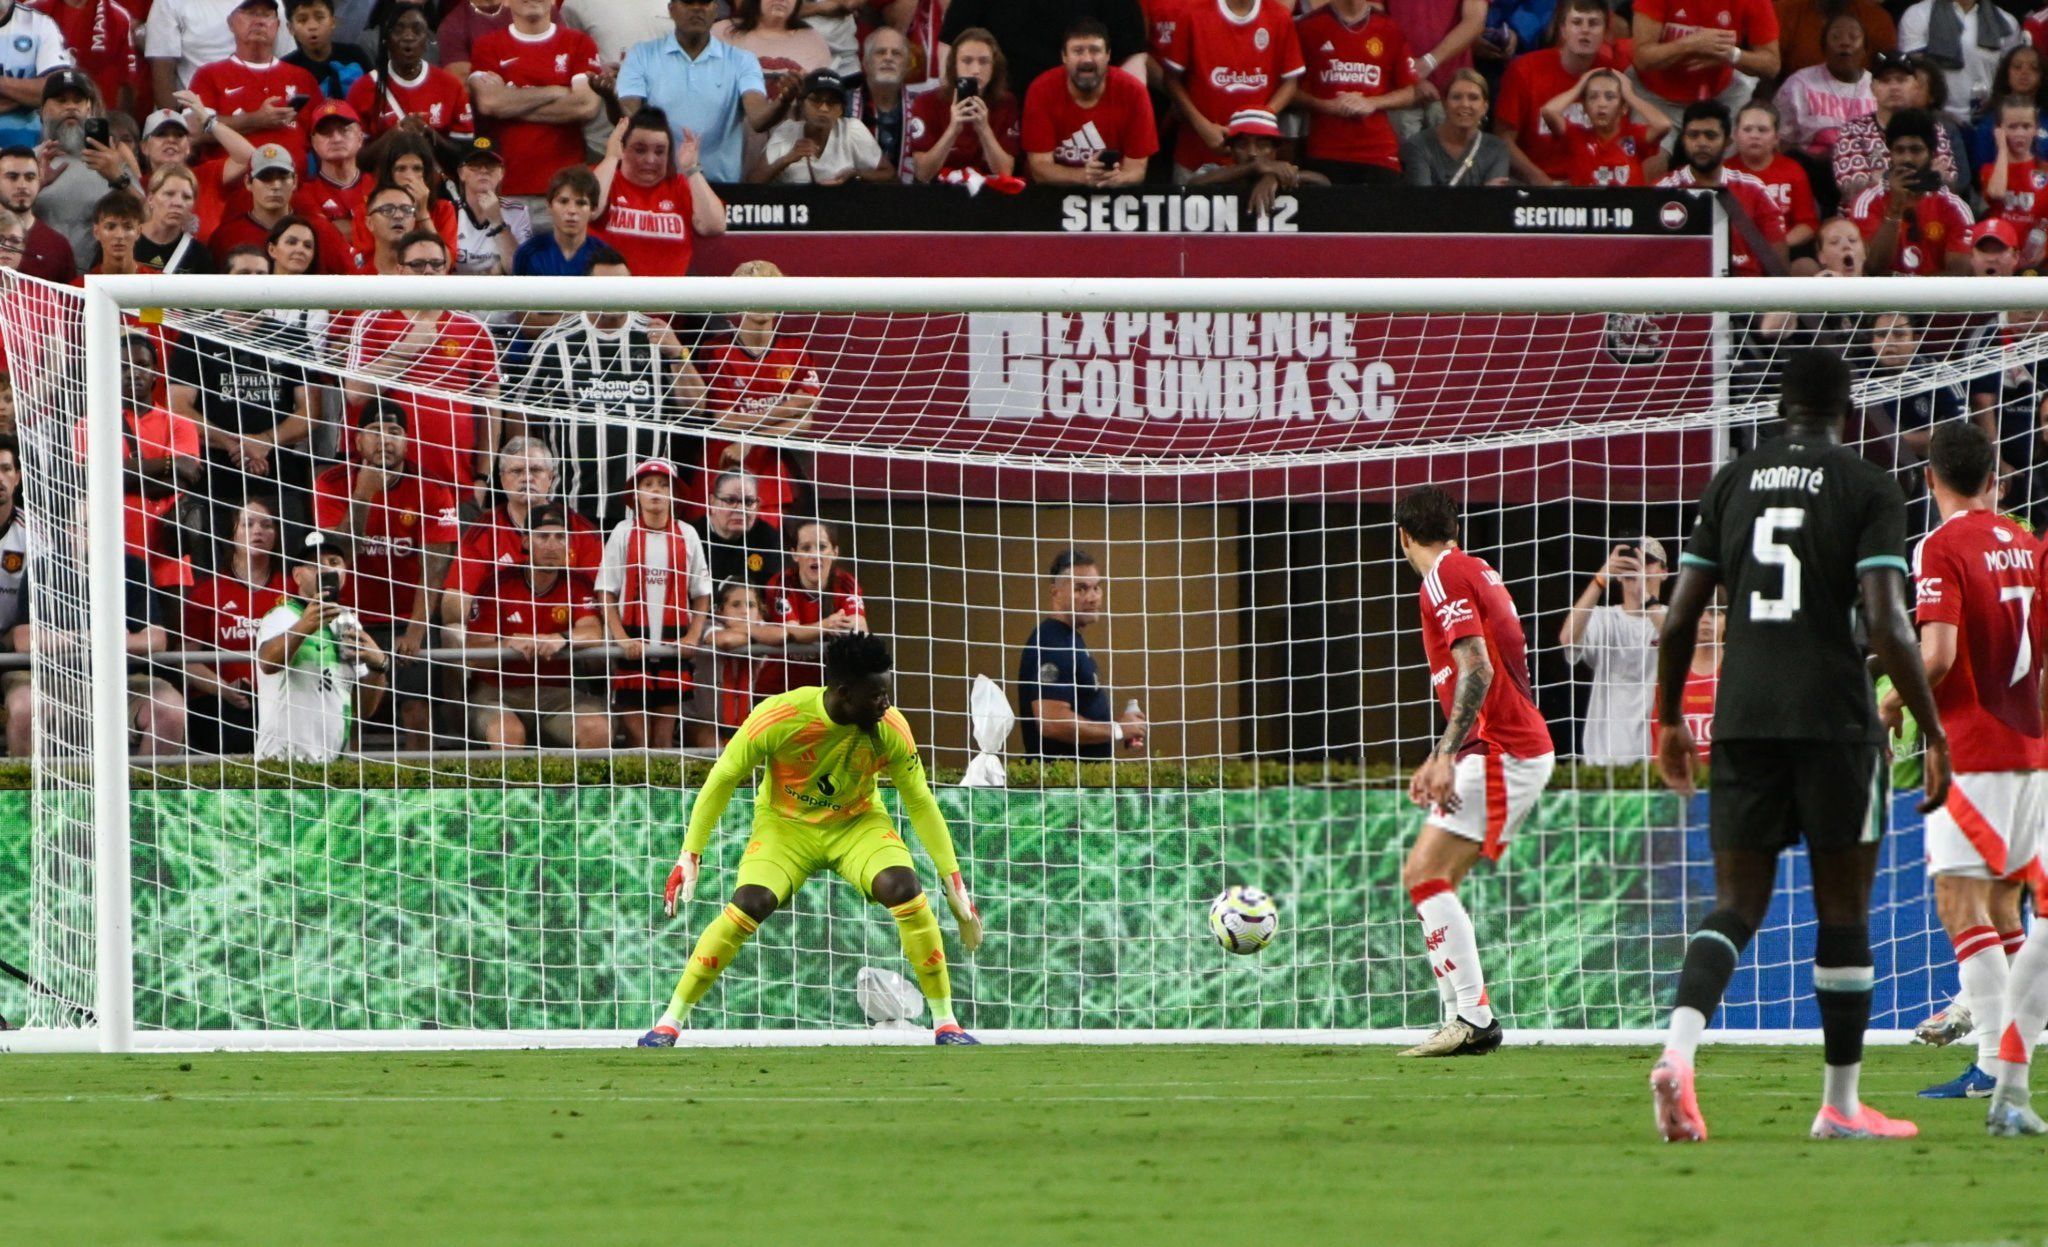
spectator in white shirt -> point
(821, 144)
(1964, 38)
(30, 46)
(1816, 102)
(1618, 644)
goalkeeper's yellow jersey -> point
(820, 774)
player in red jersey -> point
(404, 529)
(2015, 184)
(1983, 643)
(1487, 770)
(1703, 151)
(1358, 71)
(1912, 224)
(1621, 140)
(1228, 55)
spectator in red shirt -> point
(527, 480)
(1358, 71)
(1620, 142)
(970, 120)
(1088, 123)
(1913, 225)
(406, 86)
(101, 37)
(1538, 154)
(1689, 50)
(338, 187)
(222, 612)
(1703, 149)
(273, 180)
(467, 22)
(253, 92)
(160, 457)
(1442, 34)
(739, 624)
(652, 214)
(2016, 184)
(45, 252)
(388, 219)
(538, 610)
(531, 88)
(1224, 57)
(761, 382)
(813, 599)
(441, 365)
(1756, 150)
(403, 526)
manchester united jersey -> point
(403, 521)
(1369, 59)
(509, 607)
(1463, 597)
(1980, 572)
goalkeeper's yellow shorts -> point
(782, 854)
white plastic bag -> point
(990, 710)
(888, 999)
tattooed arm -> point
(1435, 780)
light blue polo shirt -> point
(700, 95)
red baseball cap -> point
(1254, 121)
(655, 467)
(1995, 227)
(328, 110)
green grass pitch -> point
(1273, 1145)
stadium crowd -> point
(525, 137)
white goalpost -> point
(473, 868)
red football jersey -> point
(1755, 199)
(1368, 59)
(1612, 161)
(1121, 121)
(234, 86)
(494, 543)
(1531, 81)
(340, 206)
(1229, 63)
(223, 613)
(2026, 194)
(1982, 573)
(785, 601)
(1790, 190)
(100, 35)
(751, 385)
(1696, 707)
(436, 97)
(929, 113)
(1755, 23)
(408, 517)
(650, 226)
(534, 149)
(1463, 597)
(1162, 18)
(444, 434)
(509, 607)
(1938, 224)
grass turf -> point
(1096, 1145)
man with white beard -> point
(77, 171)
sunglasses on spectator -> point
(397, 212)
(736, 500)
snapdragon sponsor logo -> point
(1177, 367)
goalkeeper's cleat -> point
(2012, 1115)
(659, 1037)
(951, 1034)
(1673, 1102)
(1945, 1026)
(1971, 1084)
(1459, 1037)
(1868, 1123)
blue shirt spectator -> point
(542, 256)
(1061, 704)
(706, 86)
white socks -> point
(2026, 1008)
(1687, 1025)
(1838, 1088)
(1453, 947)
(1980, 961)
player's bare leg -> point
(1842, 981)
(1965, 905)
(1436, 865)
(898, 889)
(1743, 879)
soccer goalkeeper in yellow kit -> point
(815, 808)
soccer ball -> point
(1243, 919)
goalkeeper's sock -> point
(926, 949)
(1980, 961)
(715, 950)
(1453, 947)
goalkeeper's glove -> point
(964, 911)
(682, 882)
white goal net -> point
(589, 523)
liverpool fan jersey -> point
(234, 86)
(436, 97)
(1981, 573)
(1229, 63)
(1790, 528)
(1463, 597)
(536, 149)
